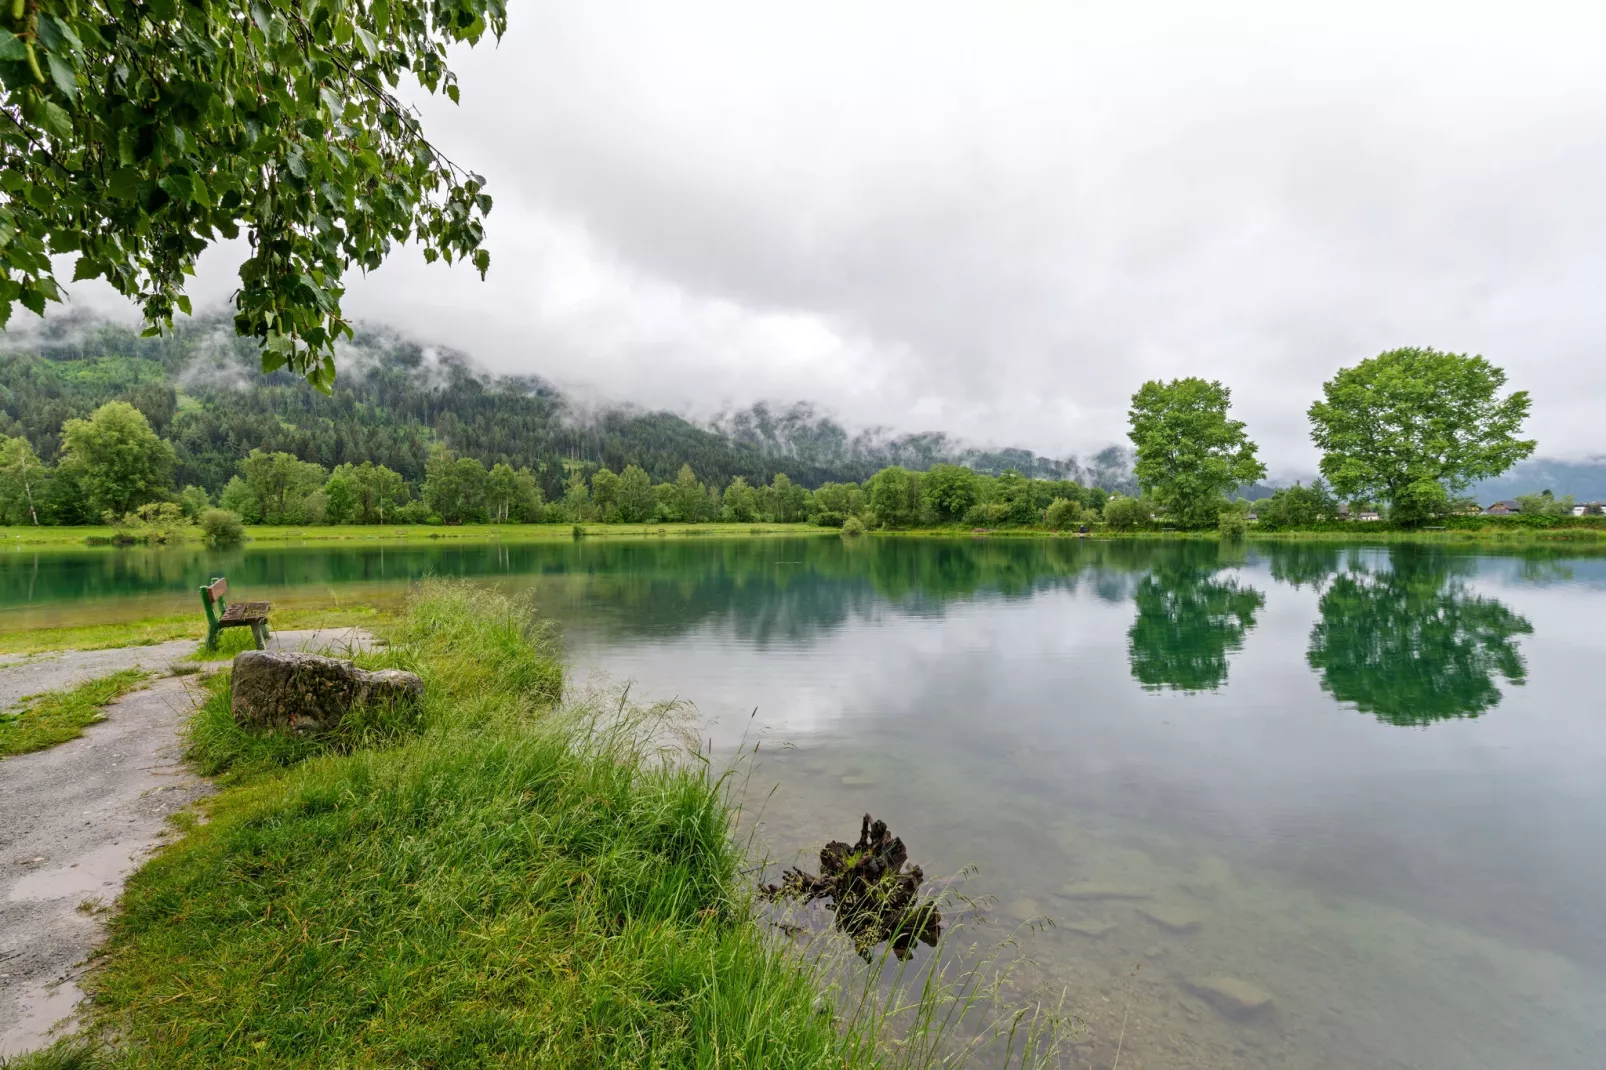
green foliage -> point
(24, 482)
(1126, 514)
(153, 522)
(852, 526)
(454, 487)
(1189, 454)
(1233, 520)
(53, 717)
(281, 487)
(1545, 503)
(1188, 621)
(163, 126)
(636, 501)
(194, 501)
(739, 504)
(1413, 426)
(893, 495)
(1062, 513)
(115, 459)
(605, 493)
(788, 503)
(1297, 506)
(1412, 644)
(220, 527)
(512, 496)
(949, 491)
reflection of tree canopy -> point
(1301, 564)
(1412, 644)
(1189, 621)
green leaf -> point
(451, 91)
(65, 77)
(183, 303)
(198, 191)
(55, 119)
(12, 48)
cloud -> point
(997, 220)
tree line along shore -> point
(1403, 435)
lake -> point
(1367, 783)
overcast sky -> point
(998, 219)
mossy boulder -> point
(310, 693)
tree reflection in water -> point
(1189, 619)
(1412, 643)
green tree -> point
(23, 481)
(237, 498)
(832, 503)
(790, 502)
(1189, 454)
(281, 485)
(1545, 503)
(454, 487)
(1125, 514)
(1411, 644)
(605, 493)
(1013, 494)
(137, 133)
(1297, 506)
(577, 497)
(739, 503)
(194, 501)
(893, 495)
(1411, 427)
(116, 459)
(690, 497)
(949, 490)
(340, 495)
(1062, 513)
(378, 489)
(635, 495)
(512, 495)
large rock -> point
(308, 693)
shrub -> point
(853, 526)
(829, 519)
(1123, 513)
(1232, 522)
(221, 527)
(1062, 513)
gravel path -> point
(77, 819)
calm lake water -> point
(1368, 782)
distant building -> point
(1589, 509)
(1503, 508)
(1369, 515)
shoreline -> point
(99, 537)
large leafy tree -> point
(135, 133)
(115, 460)
(1412, 427)
(1189, 454)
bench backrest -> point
(212, 598)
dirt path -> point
(77, 819)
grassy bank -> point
(489, 880)
(66, 537)
(53, 717)
(151, 630)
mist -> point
(996, 222)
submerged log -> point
(875, 899)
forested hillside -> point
(201, 389)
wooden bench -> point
(220, 615)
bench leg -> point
(259, 632)
(211, 636)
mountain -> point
(1585, 480)
(201, 388)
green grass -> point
(490, 882)
(19, 536)
(53, 717)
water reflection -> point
(1412, 643)
(1189, 619)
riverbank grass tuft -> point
(52, 717)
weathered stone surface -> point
(1232, 997)
(1085, 891)
(1171, 917)
(308, 693)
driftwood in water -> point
(874, 897)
